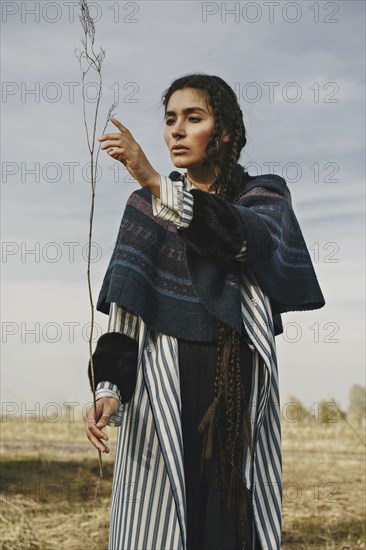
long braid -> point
(228, 408)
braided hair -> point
(228, 438)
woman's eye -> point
(193, 118)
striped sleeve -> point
(108, 389)
(175, 203)
(124, 321)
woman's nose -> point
(178, 130)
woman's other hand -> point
(106, 407)
(123, 147)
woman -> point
(204, 264)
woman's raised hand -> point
(123, 147)
(106, 407)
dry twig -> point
(88, 59)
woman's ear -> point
(225, 136)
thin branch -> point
(88, 59)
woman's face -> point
(188, 122)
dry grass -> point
(323, 486)
(69, 428)
(51, 495)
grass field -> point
(52, 495)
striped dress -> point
(148, 509)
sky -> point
(298, 69)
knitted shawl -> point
(155, 271)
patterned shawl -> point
(155, 272)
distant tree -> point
(330, 412)
(357, 403)
(294, 411)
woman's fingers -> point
(111, 142)
(106, 407)
(120, 146)
(113, 145)
(95, 440)
(93, 430)
(109, 136)
(116, 151)
(97, 443)
(120, 126)
(124, 148)
(123, 130)
(94, 425)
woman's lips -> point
(179, 151)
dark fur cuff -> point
(115, 360)
(216, 230)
